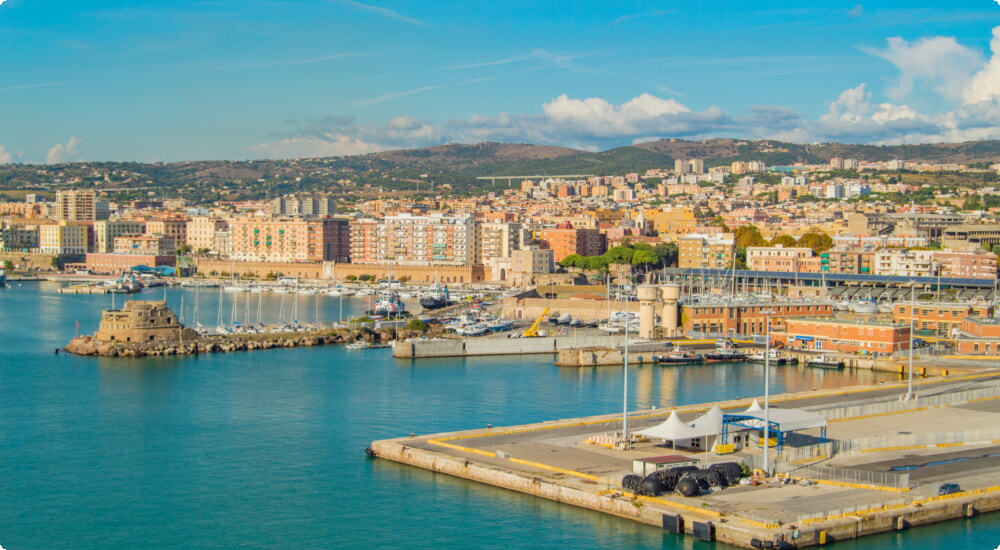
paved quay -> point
(949, 433)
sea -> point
(265, 449)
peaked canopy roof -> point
(672, 428)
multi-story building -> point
(846, 261)
(177, 229)
(565, 240)
(82, 205)
(63, 238)
(145, 245)
(308, 207)
(845, 336)
(671, 221)
(975, 263)
(405, 239)
(532, 260)
(201, 233)
(905, 263)
(938, 318)
(18, 237)
(289, 240)
(699, 251)
(106, 231)
(776, 258)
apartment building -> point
(63, 238)
(145, 245)
(202, 233)
(18, 237)
(79, 205)
(289, 240)
(306, 206)
(105, 233)
(175, 228)
(406, 239)
(700, 251)
(565, 240)
(777, 258)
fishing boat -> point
(773, 357)
(825, 361)
(359, 345)
(678, 356)
(727, 351)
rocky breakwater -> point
(87, 345)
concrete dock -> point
(880, 470)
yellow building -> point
(700, 251)
(671, 220)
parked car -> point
(949, 488)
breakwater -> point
(87, 345)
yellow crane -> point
(532, 331)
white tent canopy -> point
(710, 423)
(755, 406)
(672, 428)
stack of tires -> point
(688, 481)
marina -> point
(271, 444)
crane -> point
(532, 331)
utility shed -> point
(646, 466)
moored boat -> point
(825, 361)
(727, 351)
(773, 357)
(678, 356)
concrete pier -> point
(566, 461)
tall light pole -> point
(626, 442)
(767, 389)
(913, 306)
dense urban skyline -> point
(190, 80)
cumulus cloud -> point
(64, 153)
(985, 85)
(939, 62)
(5, 156)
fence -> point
(898, 503)
(923, 401)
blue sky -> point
(226, 79)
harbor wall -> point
(460, 347)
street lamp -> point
(767, 388)
(909, 385)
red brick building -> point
(845, 336)
(747, 318)
(941, 318)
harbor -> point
(878, 466)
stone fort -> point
(142, 321)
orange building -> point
(979, 336)
(565, 241)
(939, 318)
(845, 336)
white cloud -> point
(64, 153)
(985, 85)
(939, 61)
(5, 156)
(937, 66)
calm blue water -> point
(265, 449)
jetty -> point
(877, 465)
(150, 328)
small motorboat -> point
(825, 361)
(678, 356)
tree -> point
(784, 240)
(644, 258)
(8, 265)
(351, 278)
(667, 253)
(417, 324)
(818, 242)
(747, 236)
(570, 261)
(183, 250)
(55, 262)
(365, 277)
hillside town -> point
(841, 236)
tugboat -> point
(436, 297)
(825, 361)
(727, 351)
(389, 305)
(676, 356)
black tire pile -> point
(689, 481)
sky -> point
(158, 80)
